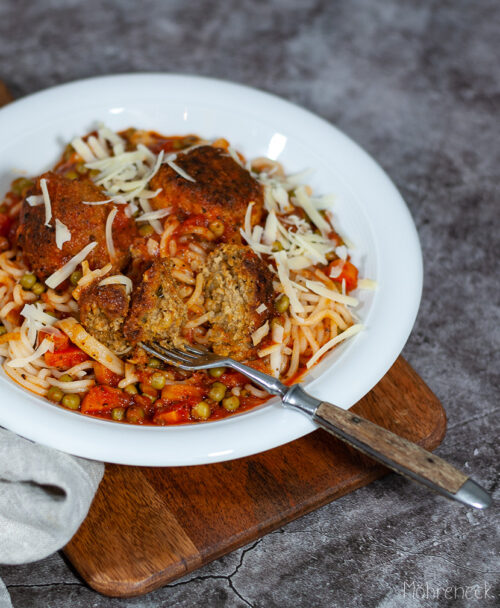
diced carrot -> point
(103, 375)
(65, 358)
(103, 399)
(349, 273)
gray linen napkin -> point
(44, 497)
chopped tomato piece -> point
(182, 392)
(60, 339)
(103, 375)
(65, 358)
(349, 273)
(103, 399)
(232, 379)
(175, 415)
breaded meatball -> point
(103, 309)
(157, 313)
(86, 223)
(221, 191)
(236, 283)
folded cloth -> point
(44, 497)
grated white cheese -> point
(63, 273)
(341, 251)
(261, 308)
(119, 279)
(179, 170)
(154, 215)
(82, 149)
(367, 284)
(46, 200)
(351, 331)
(62, 234)
(109, 233)
(36, 319)
(306, 203)
(97, 147)
(34, 200)
(321, 290)
(260, 333)
(288, 287)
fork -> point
(398, 454)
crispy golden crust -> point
(86, 223)
(158, 313)
(237, 282)
(222, 189)
(103, 310)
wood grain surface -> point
(149, 526)
(397, 453)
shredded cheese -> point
(34, 200)
(46, 200)
(321, 290)
(367, 284)
(36, 319)
(63, 273)
(260, 333)
(109, 233)
(351, 331)
(118, 279)
(261, 308)
(179, 170)
(62, 234)
(154, 215)
(82, 149)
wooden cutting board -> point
(149, 526)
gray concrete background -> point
(416, 84)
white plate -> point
(368, 210)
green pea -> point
(231, 403)
(81, 168)
(157, 381)
(55, 394)
(282, 303)
(38, 289)
(216, 372)
(146, 230)
(131, 389)
(201, 410)
(21, 184)
(75, 277)
(154, 362)
(217, 391)
(277, 246)
(71, 175)
(71, 401)
(118, 413)
(94, 172)
(217, 227)
(135, 414)
(66, 378)
(28, 280)
(3, 330)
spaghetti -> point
(49, 349)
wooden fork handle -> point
(400, 455)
